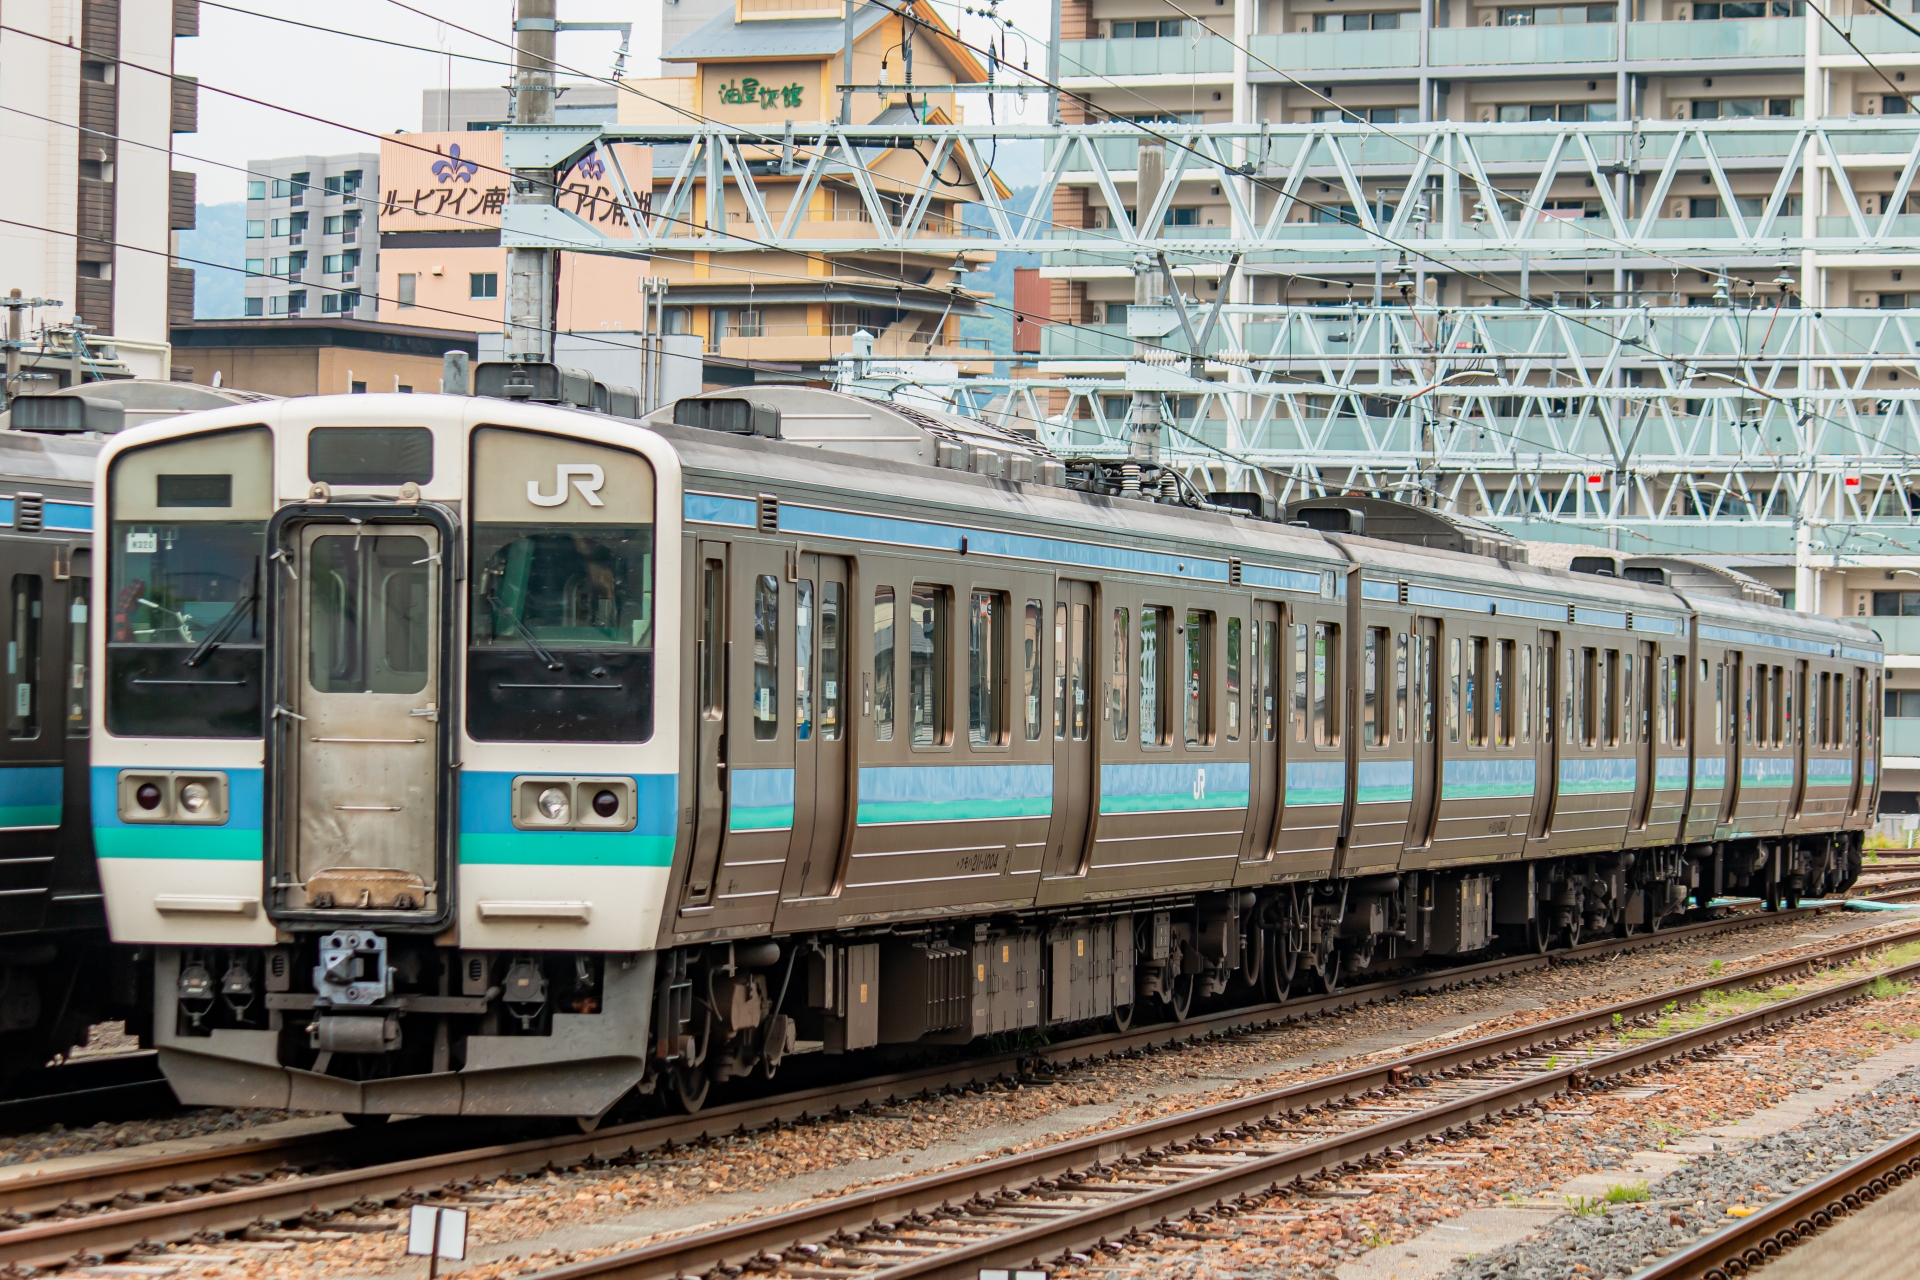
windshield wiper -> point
(242, 608)
(525, 633)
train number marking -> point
(587, 478)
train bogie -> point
(505, 758)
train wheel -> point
(1180, 1002)
(1122, 1016)
(1282, 963)
(688, 1087)
(1539, 936)
(1572, 932)
(1325, 969)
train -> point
(495, 754)
(60, 973)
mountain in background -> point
(220, 237)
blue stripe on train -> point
(29, 796)
(950, 793)
(1173, 786)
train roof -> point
(29, 457)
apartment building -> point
(313, 236)
(90, 198)
(1488, 62)
(765, 63)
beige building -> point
(769, 62)
(317, 356)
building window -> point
(256, 306)
(750, 326)
(341, 224)
(335, 263)
(256, 266)
(1356, 22)
(1893, 302)
(333, 185)
(1165, 29)
(1749, 9)
(1117, 314)
(350, 181)
(296, 301)
(408, 282)
(483, 284)
(256, 228)
(1703, 208)
(257, 190)
(1903, 704)
(298, 187)
(358, 388)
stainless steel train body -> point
(58, 972)
(461, 755)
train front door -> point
(365, 689)
(1075, 783)
(1266, 788)
(820, 718)
(1425, 733)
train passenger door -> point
(821, 602)
(1797, 734)
(366, 692)
(1730, 685)
(1075, 793)
(711, 650)
(1264, 791)
(1425, 733)
(1546, 743)
(1856, 698)
(1640, 726)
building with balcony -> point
(313, 238)
(89, 198)
(769, 64)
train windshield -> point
(561, 615)
(186, 569)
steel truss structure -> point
(1712, 428)
(1446, 190)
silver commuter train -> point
(478, 756)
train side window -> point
(1326, 684)
(1427, 664)
(1120, 694)
(1269, 680)
(1503, 699)
(833, 650)
(1154, 729)
(1677, 709)
(1299, 682)
(803, 660)
(1523, 693)
(1197, 671)
(713, 608)
(766, 658)
(1453, 693)
(23, 658)
(1060, 671)
(927, 713)
(1475, 708)
(1777, 705)
(1233, 679)
(1587, 696)
(1629, 698)
(78, 694)
(1030, 679)
(1371, 643)
(1847, 713)
(1611, 692)
(1082, 671)
(1402, 674)
(883, 664)
(987, 670)
(1549, 686)
(1719, 701)
(1573, 694)
(1746, 703)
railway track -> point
(111, 1209)
(1752, 1242)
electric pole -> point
(1144, 417)
(530, 272)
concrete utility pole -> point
(1144, 416)
(530, 272)
(15, 305)
(846, 69)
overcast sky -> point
(359, 85)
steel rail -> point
(32, 1192)
(1754, 1241)
(742, 1243)
(52, 1241)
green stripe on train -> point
(1173, 803)
(565, 849)
(209, 844)
(878, 812)
(29, 815)
(765, 817)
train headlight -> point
(147, 796)
(553, 804)
(195, 797)
(606, 803)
